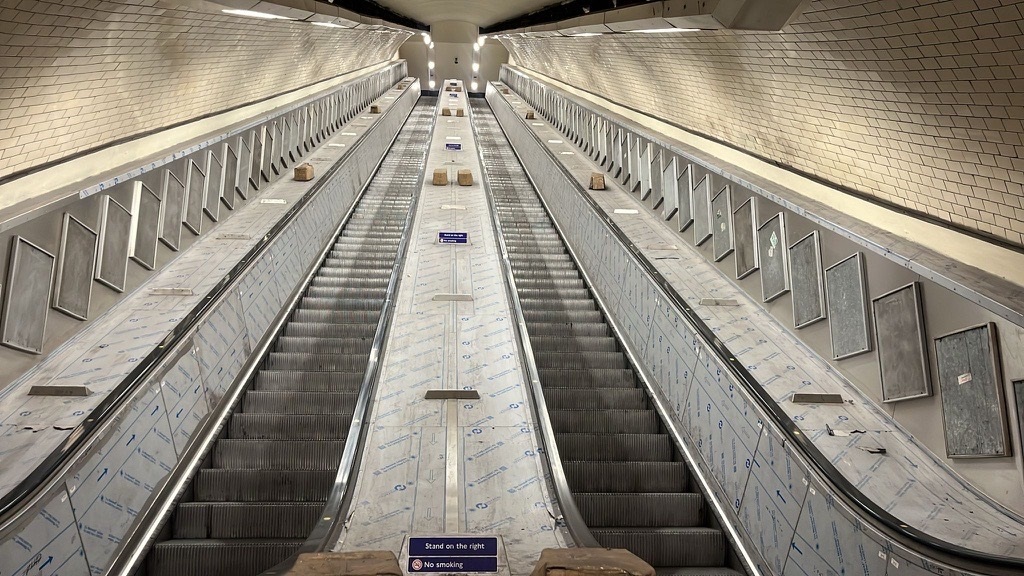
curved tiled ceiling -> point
(479, 12)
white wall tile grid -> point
(76, 75)
(309, 121)
(108, 487)
(781, 506)
(463, 344)
(916, 103)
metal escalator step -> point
(697, 571)
(363, 262)
(668, 546)
(316, 362)
(556, 316)
(220, 485)
(336, 316)
(598, 398)
(553, 284)
(350, 281)
(526, 272)
(651, 510)
(298, 381)
(554, 302)
(626, 477)
(324, 345)
(534, 294)
(537, 258)
(324, 330)
(246, 519)
(314, 303)
(607, 421)
(261, 401)
(290, 426)
(548, 265)
(536, 248)
(278, 454)
(568, 329)
(347, 293)
(575, 344)
(220, 557)
(553, 378)
(615, 447)
(352, 274)
(580, 360)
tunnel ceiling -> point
(480, 12)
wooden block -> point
(465, 177)
(374, 109)
(597, 181)
(460, 112)
(446, 111)
(530, 115)
(441, 177)
(590, 562)
(363, 563)
(504, 91)
(304, 172)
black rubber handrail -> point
(913, 538)
(11, 502)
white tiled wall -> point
(919, 103)
(77, 74)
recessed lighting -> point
(587, 34)
(327, 24)
(426, 38)
(666, 30)
(476, 47)
(433, 84)
(474, 86)
(430, 65)
(476, 66)
(254, 14)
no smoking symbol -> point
(417, 564)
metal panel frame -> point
(214, 186)
(244, 166)
(784, 254)
(193, 211)
(723, 227)
(17, 297)
(108, 209)
(999, 411)
(858, 259)
(819, 283)
(751, 223)
(914, 289)
(142, 201)
(684, 195)
(58, 280)
(701, 202)
(171, 238)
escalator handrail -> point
(563, 493)
(37, 483)
(912, 538)
(336, 509)
(149, 521)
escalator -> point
(266, 481)
(628, 479)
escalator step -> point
(290, 426)
(261, 401)
(595, 398)
(576, 344)
(325, 330)
(337, 316)
(580, 360)
(278, 454)
(651, 510)
(348, 292)
(219, 485)
(615, 447)
(298, 381)
(559, 316)
(668, 546)
(596, 378)
(246, 520)
(533, 294)
(626, 477)
(223, 557)
(354, 304)
(606, 421)
(317, 362)
(555, 303)
(324, 345)
(568, 329)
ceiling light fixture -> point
(327, 24)
(476, 66)
(432, 84)
(430, 65)
(474, 86)
(254, 14)
(476, 47)
(587, 34)
(426, 38)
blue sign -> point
(453, 94)
(455, 554)
(453, 237)
(453, 146)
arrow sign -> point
(45, 564)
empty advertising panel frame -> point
(807, 283)
(744, 226)
(721, 224)
(902, 346)
(27, 299)
(847, 303)
(702, 210)
(771, 248)
(114, 242)
(76, 266)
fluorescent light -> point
(481, 40)
(476, 66)
(476, 47)
(587, 34)
(327, 24)
(252, 14)
(666, 30)
(431, 45)
(432, 84)
(474, 86)
(430, 65)
(426, 38)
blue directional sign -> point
(453, 146)
(454, 554)
(453, 237)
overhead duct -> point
(758, 14)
